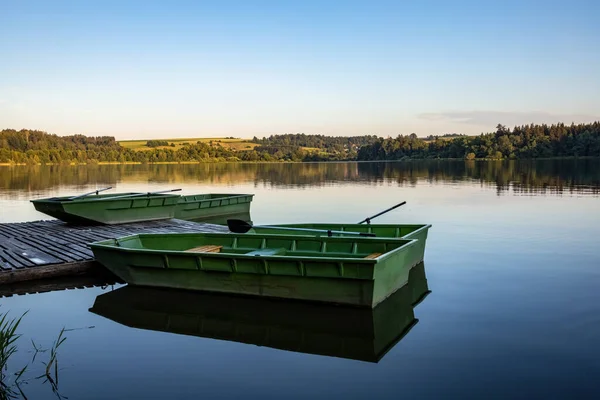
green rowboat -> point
(122, 208)
(320, 329)
(400, 231)
(117, 208)
(355, 271)
(204, 206)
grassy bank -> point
(177, 143)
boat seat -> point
(207, 248)
(267, 252)
(373, 255)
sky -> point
(166, 69)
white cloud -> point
(508, 118)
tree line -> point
(521, 142)
(157, 143)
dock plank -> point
(7, 262)
(60, 250)
(10, 231)
(76, 248)
(14, 259)
(34, 255)
(8, 249)
(76, 237)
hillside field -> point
(233, 144)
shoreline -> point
(8, 164)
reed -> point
(10, 382)
(8, 337)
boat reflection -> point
(321, 329)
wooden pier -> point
(48, 249)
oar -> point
(241, 226)
(368, 220)
(140, 194)
(87, 194)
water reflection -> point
(98, 277)
(336, 331)
(541, 176)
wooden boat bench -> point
(373, 255)
(207, 248)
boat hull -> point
(332, 270)
(205, 206)
(109, 209)
(400, 231)
(326, 330)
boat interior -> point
(262, 245)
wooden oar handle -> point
(368, 219)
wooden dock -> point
(48, 249)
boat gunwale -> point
(105, 244)
(113, 197)
(321, 225)
(225, 196)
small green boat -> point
(211, 205)
(109, 209)
(356, 271)
(303, 327)
(400, 231)
(121, 208)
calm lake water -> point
(512, 263)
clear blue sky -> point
(143, 69)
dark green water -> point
(512, 263)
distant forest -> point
(528, 141)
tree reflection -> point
(520, 176)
